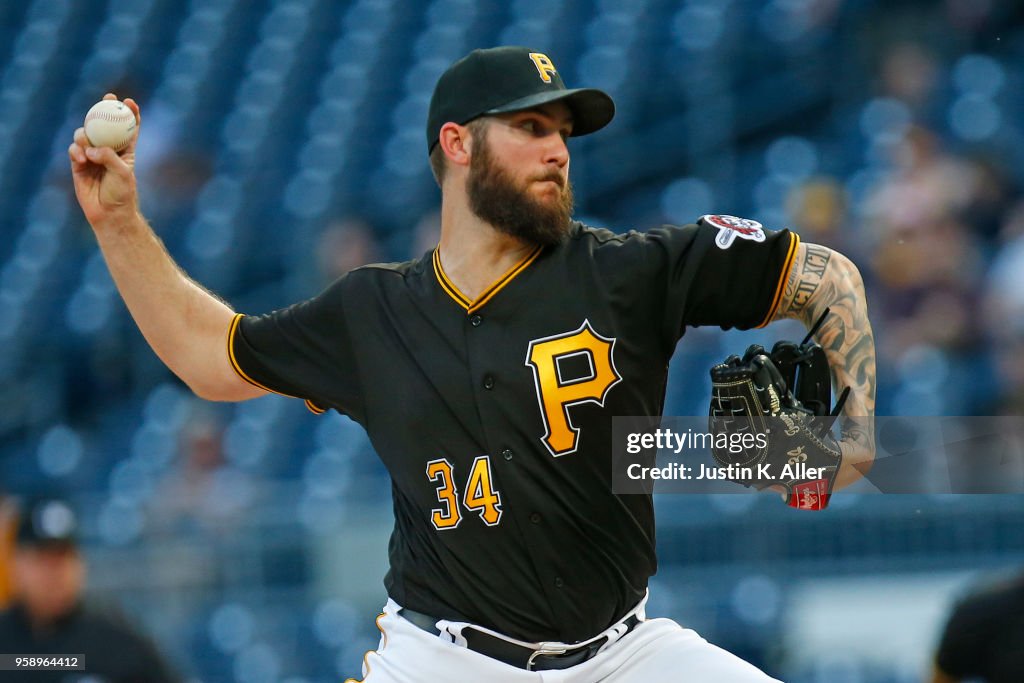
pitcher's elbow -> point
(204, 390)
(228, 389)
(211, 390)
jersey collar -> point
(473, 305)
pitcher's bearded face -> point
(535, 209)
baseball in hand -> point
(110, 123)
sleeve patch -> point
(731, 227)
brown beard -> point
(496, 197)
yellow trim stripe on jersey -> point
(366, 661)
(446, 284)
(314, 408)
(463, 300)
(794, 242)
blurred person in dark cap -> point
(48, 615)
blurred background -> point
(283, 144)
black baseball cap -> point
(47, 522)
(506, 79)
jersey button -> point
(488, 382)
(507, 454)
(558, 582)
(475, 320)
(535, 518)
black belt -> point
(517, 655)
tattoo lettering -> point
(805, 278)
(816, 261)
(812, 274)
(805, 289)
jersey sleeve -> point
(303, 351)
(723, 271)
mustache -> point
(553, 176)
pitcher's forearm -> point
(821, 278)
(849, 345)
(846, 334)
(185, 325)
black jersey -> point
(494, 416)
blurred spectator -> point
(926, 184)
(345, 244)
(818, 209)
(909, 73)
(203, 493)
(983, 637)
(924, 256)
(931, 277)
(50, 617)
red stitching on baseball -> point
(105, 116)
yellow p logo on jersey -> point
(557, 393)
(544, 66)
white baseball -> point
(110, 123)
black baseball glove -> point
(771, 416)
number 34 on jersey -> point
(478, 496)
(555, 394)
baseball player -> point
(487, 373)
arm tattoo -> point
(804, 281)
(821, 278)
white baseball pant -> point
(656, 651)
